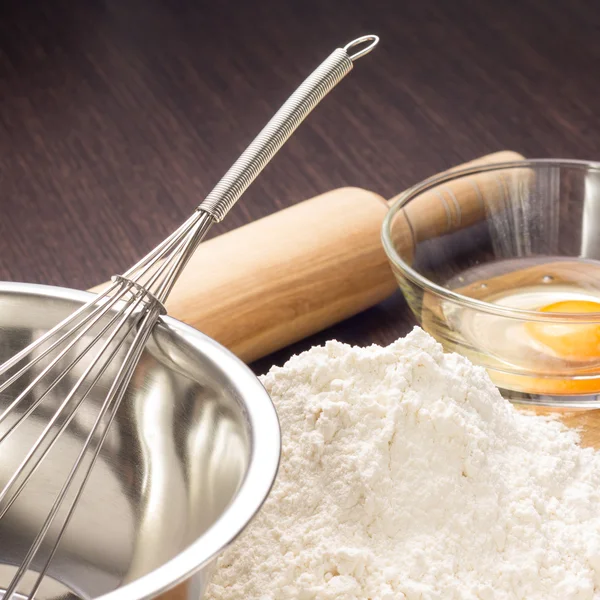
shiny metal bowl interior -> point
(189, 460)
(452, 238)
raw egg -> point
(570, 341)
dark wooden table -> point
(118, 116)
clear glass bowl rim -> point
(465, 301)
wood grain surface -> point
(118, 116)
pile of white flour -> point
(406, 476)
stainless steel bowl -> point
(188, 462)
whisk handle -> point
(268, 142)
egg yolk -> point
(571, 341)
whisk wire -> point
(160, 250)
(152, 284)
(171, 269)
(14, 360)
(115, 395)
(105, 308)
(42, 437)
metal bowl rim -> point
(259, 478)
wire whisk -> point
(104, 339)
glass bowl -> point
(501, 263)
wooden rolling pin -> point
(282, 278)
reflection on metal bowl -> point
(188, 461)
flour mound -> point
(406, 476)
